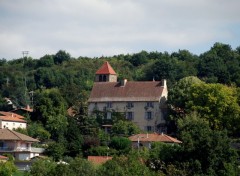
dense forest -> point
(203, 103)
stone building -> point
(142, 102)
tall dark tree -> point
(61, 56)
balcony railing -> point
(30, 149)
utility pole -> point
(25, 55)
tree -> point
(46, 61)
(121, 144)
(7, 168)
(125, 165)
(61, 56)
(43, 167)
(179, 94)
(216, 103)
(36, 130)
(56, 150)
(74, 137)
(125, 128)
(206, 150)
(81, 167)
(219, 65)
(50, 109)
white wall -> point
(13, 125)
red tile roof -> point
(12, 119)
(11, 114)
(106, 69)
(132, 91)
(3, 157)
(99, 159)
(6, 134)
(153, 137)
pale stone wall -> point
(109, 78)
(139, 110)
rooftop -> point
(106, 69)
(99, 159)
(10, 116)
(131, 91)
(6, 134)
(153, 137)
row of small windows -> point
(131, 104)
(6, 126)
(130, 115)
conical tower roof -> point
(106, 69)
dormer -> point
(106, 74)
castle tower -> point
(106, 74)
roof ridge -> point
(15, 133)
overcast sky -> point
(97, 28)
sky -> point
(96, 28)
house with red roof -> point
(11, 120)
(145, 140)
(142, 102)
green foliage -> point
(50, 109)
(36, 130)
(61, 56)
(125, 128)
(220, 65)
(218, 104)
(206, 150)
(101, 151)
(81, 167)
(180, 93)
(123, 165)
(121, 144)
(56, 150)
(76, 167)
(43, 167)
(74, 137)
(7, 168)
(46, 61)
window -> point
(109, 115)
(149, 104)
(148, 115)
(109, 104)
(149, 128)
(130, 115)
(104, 78)
(130, 105)
(100, 78)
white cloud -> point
(109, 27)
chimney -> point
(123, 82)
(164, 83)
